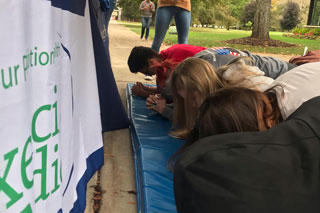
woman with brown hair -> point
(238, 160)
(239, 109)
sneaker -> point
(148, 78)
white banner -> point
(49, 108)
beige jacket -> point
(185, 4)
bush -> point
(308, 33)
(291, 16)
(301, 31)
(316, 32)
(248, 13)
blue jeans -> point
(146, 22)
(164, 15)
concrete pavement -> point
(117, 178)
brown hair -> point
(192, 75)
(230, 109)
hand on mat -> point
(138, 89)
(147, 88)
(156, 103)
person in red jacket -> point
(147, 61)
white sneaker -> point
(148, 78)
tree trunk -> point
(262, 20)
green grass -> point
(209, 37)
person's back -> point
(270, 171)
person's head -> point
(191, 82)
(138, 60)
(234, 109)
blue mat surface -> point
(152, 147)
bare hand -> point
(156, 103)
(137, 89)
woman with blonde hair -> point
(192, 81)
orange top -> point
(185, 4)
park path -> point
(117, 178)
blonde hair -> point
(192, 75)
(242, 72)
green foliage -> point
(301, 31)
(224, 17)
(276, 15)
(209, 37)
(291, 16)
(306, 31)
(206, 14)
(316, 32)
(130, 9)
(248, 24)
(248, 12)
(236, 8)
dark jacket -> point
(274, 171)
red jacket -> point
(179, 52)
(171, 57)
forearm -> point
(167, 112)
(142, 93)
(154, 90)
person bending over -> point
(242, 109)
(194, 79)
(148, 62)
(241, 159)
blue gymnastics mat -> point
(152, 147)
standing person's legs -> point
(143, 27)
(183, 19)
(149, 20)
(163, 18)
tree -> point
(130, 9)
(275, 16)
(262, 20)
(236, 8)
(248, 13)
(207, 16)
(223, 14)
(291, 16)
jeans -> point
(164, 15)
(146, 22)
(272, 67)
